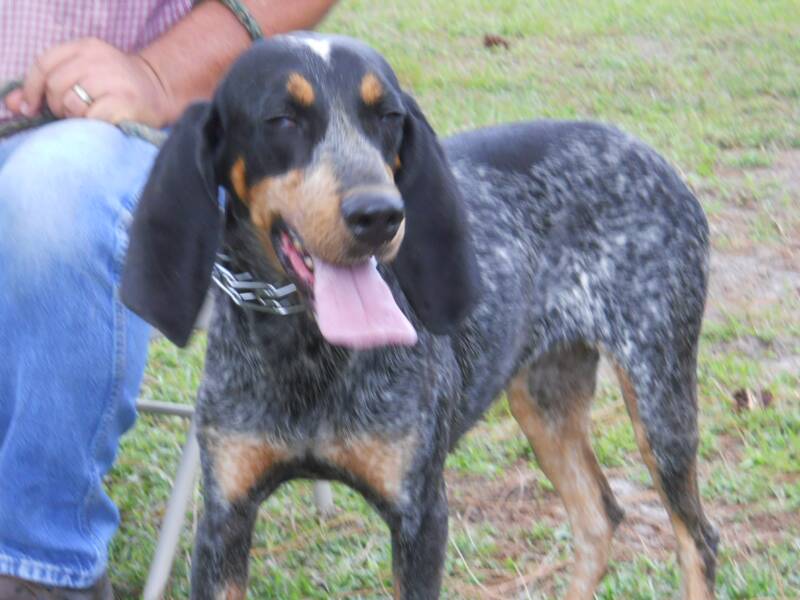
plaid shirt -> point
(29, 27)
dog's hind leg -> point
(551, 401)
(662, 403)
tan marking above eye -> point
(371, 89)
(300, 89)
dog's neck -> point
(289, 349)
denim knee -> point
(63, 193)
(72, 355)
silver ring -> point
(81, 93)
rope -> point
(8, 128)
(18, 124)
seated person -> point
(72, 355)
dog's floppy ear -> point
(436, 264)
(176, 229)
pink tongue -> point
(355, 307)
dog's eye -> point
(282, 122)
(391, 117)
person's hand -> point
(120, 86)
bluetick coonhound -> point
(431, 276)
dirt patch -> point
(652, 48)
(744, 271)
(752, 281)
(786, 169)
(783, 170)
(753, 277)
(512, 505)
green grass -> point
(715, 86)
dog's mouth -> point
(295, 260)
(353, 305)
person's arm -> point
(192, 57)
(156, 85)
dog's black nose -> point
(373, 218)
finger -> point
(58, 86)
(104, 85)
(14, 101)
(72, 106)
(101, 81)
(34, 86)
(119, 99)
(111, 109)
(120, 92)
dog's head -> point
(335, 168)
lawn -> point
(715, 86)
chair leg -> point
(161, 566)
(323, 498)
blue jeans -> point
(71, 356)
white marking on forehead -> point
(321, 47)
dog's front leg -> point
(222, 542)
(222, 547)
(419, 543)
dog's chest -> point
(240, 462)
(275, 404)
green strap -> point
(240, 11)
(243, 15)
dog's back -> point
(584, 234)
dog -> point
(426, 278)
